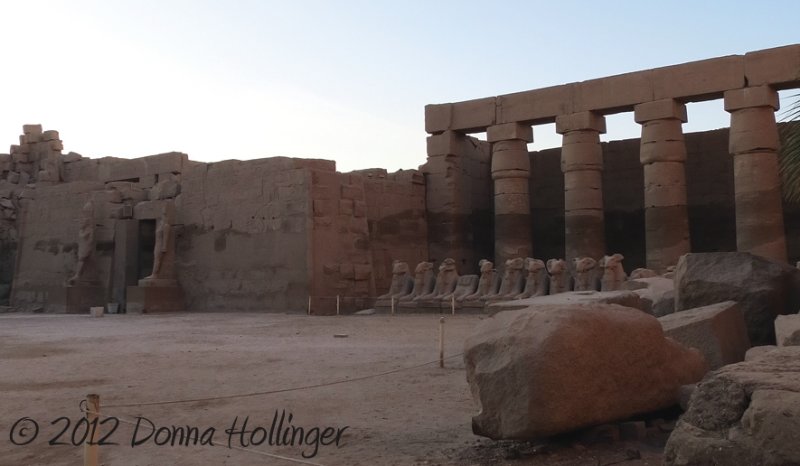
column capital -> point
(446, 143)
(580, 122)
(664, 109)
(509, 131)
(749, 97)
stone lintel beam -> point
(751, 97)
(582, 121)
(446, 143)
(665, 109)
(509, 131)
(777, 67)
(687, 82)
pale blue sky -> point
(342, 80)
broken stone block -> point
(546, 370)
(787, 330)
(71, 157)
(167, 188)
(763, 288)
(744, 413)
(32, 129)
(718, 331)
(657, 293)
(622, 298)
(50, 135)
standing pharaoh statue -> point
(163, 252)
(86, 243)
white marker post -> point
(441, 342)
(453, 303)
(90, 449)
(309, 305)
(337, 304)
(392, 305)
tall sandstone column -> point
(511, 171)
(663, 155)
(754, 145)
(582, 164)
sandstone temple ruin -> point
(166, 233)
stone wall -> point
(243, 243)
(46, 258)
(9, 236)
(396, 218)
(459, 201)
(341, 255)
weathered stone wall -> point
(459, 201)
(49, 221)
(341, 262)
(396, 218)
(9, 236)
(244, 239)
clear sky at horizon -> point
(341, 80)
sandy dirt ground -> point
(419, 416)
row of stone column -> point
(753, 144)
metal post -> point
(309, 305)
(337, 304)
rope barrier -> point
(281, 390)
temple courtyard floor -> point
(169, 388)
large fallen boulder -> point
(745, 413)
(546, 370)
(718, 331)
(763, 288)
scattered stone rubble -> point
(555, 364)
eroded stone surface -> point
(744, 413)
(545, 370)
(763, 288)
(787, 330)
(718, 331)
